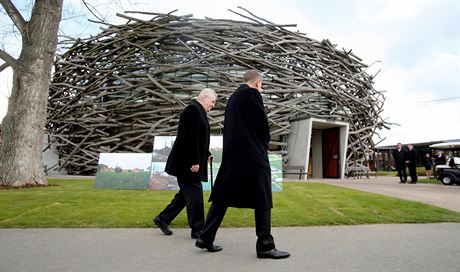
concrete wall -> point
(299, 143)
(317, 153)
(343, 140)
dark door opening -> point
(330, 139)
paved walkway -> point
(405, 247)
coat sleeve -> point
(191, 122)
(260, 120)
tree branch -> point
(15, 16)
(90, 9)
(4, 66)
(9, 60)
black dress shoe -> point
(210, 247)
(163, 226)
(273, 254)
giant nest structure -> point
(115, 91)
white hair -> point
(207, 92)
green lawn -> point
(430, 180)
(421, 176)
(76, 204)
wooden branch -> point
(4, 66)
(9, 60)
(15, 16)
(130, 83)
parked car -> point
(449, 174)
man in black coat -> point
(244, 177)
(188, 162)
(440, 159)
(400, 157)
(412, 163)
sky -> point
(126, 160)
(414, 46)
(167, 141)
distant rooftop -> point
(421, 144)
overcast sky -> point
(126, 160)
(416, 45)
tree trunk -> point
(21, 162)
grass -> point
(430, 180)
(76, 204)
(387, 173)
(421, 176)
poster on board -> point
(145, 171)
(123, 171)
(162, 145)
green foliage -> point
(76, 204)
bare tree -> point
(22, 128)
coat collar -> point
(198, 104)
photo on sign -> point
(160, 180)
(123, 171)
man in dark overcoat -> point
(400, 157)
(244, 177)
(412, 163)
(188, 162)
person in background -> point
(411, 160)
(439, 159)
(426, 160)
(452, 163)
(188, 162)
(244, 177)
(400, 157)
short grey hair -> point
(251, 76)
(207, 92)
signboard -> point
(146, 171)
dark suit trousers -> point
(401, 168)
(413, 171)
(216, 214)
(190, 195)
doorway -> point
(319, 146)
(330, 142)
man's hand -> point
(210, 159)
(195, 168)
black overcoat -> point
(412, 156)
(400, 157)
(244, 179)
(191, 145)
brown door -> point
(330, 138)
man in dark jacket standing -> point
(412, 163)
(188, 162)
(244, 177)
(400, 157)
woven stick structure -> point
(115, 91)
